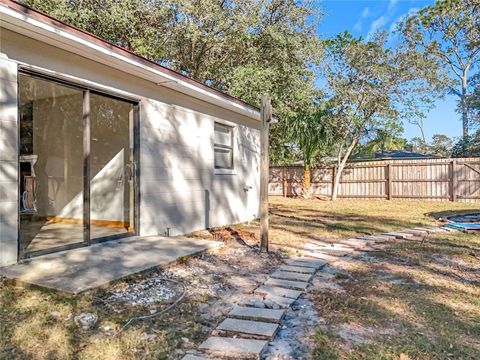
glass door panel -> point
(51, 165)
(111, 167)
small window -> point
(223, 146)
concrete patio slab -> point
(85, 268)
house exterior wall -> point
(179, 189)
(8, 162)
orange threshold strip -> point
(102, 223)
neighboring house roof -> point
(42, 27)
(398, 154)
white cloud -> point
(399, 19)
(377, 24)
(358, 25)
(391, 4)
(365, 12)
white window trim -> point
(223, 171)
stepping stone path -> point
(250, 325)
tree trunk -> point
(341, 166)
(464, 106)
(306, 191)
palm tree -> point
(309, 132)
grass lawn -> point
(410, 300)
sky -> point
(363, 17)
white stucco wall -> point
(179, 189)
(8, 161)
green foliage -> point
(467, 147)
(441, 146)
(448, 34)
(310, 134)
(369, 95)
(246, 48)
(381, 140)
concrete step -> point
(306, 262)
(299, 269)
(234, 347)
(257, 329)
(287, 284)
(277, 291)
(291, 276)
(256, 314)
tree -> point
(381, 140)
(310, 135)
(467, 147)
(441, 146)
(246, 48)
(449, 33)
(371, 86)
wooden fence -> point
(423, 179)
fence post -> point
(333, 180)
(266, 116)
(389, 182)
(453, 180)
(285, 185)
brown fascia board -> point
(47, 19)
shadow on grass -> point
(403, 314)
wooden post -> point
(453, 180)
(266, 115)
(333, 180)
(389, 182)
(285, 183)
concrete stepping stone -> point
(399, 235)
(269, 301)
(427, 230)
(277, 291)
(256, 314)
(291, 276)
(248, 327)
(335, 252)
(377, 238)
(307, 262)
(194, 357)
(288, 284)
(234, 347)
(282, 301)
(360, 243)
(299, 269)
(326, 257)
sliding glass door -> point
(69, 134)
(111, 167)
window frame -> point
(224, 147)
